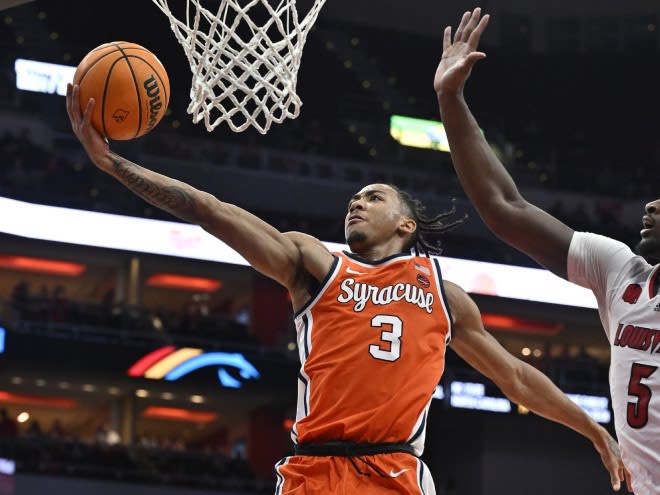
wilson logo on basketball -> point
(119, 115)
(632, 293)
(153, 92)
(423, 281)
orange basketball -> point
(129, 85)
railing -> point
(132, 325)
(153, 465)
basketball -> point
(130, 88)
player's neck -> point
(655, 283)
(377, 253)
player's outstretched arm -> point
(523, 384)
(269, 251)
(485, 180)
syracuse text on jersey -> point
(362, 293)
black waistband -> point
(351, 449)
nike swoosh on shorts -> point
(396, 474)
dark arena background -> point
(97, 311)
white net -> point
(244, 58)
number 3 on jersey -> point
(638, 412)
(392, 334)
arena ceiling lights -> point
(179, 414)
(175, 281)
(41, 265)
(7, 397)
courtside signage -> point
(143, 235)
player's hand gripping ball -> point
(130, 88)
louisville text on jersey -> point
(635, 337)
(361, 294)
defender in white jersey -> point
(626, 288)
(625, 285)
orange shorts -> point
(391, 473)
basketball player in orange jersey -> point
(373, 325)
(624, 283)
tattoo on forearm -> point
(173, 199)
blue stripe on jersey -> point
(302, 379)
(305, 320)
(450, 320)
(420, 475)
(382, 261)
(420, 430)
(321, 286)
(280, 478)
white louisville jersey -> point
(629, 305)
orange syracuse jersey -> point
(372, 346)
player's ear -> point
(407, 225)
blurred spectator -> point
(8, 427)
(174, 443)
(41, 305)
(239, 449)
(101, 433)
(242, 316)
(60, 305)
(34, 431)
(112, 437)
(147, 441)
(106, 435)
(20, 298)
(56, 431)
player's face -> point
(649, 245)
(373, 216)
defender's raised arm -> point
(487, 183)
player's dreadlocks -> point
(426, 237)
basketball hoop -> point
(244, 59)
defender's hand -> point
(459, 55)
